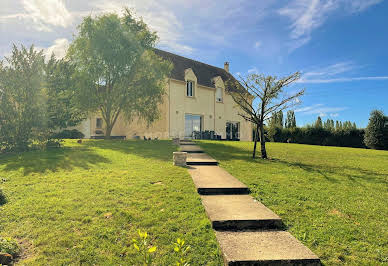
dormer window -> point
(190, 89)
(219, 95)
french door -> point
(232, 130)
(193, 123)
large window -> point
(219, 95)
(233, 130)
(190, 88)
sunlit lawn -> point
(332, 199)
(83, 204)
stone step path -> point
(191, 149)
(210, 180)
(239, 212)
(248, 232)
(200, 159)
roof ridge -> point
(192, 59)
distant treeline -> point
(330, 132)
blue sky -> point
(340, 46)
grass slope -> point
(82, 204)
(332, 199)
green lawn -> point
(332, 199)
(83, 204)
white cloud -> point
(327, 74)
(59, 48)
(253, 70)
(321, 110)
(334, 115)
(257, 44)
(308, 15)
(46, 13)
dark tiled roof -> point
(204, 72)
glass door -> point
(233, 130)
(193, 123)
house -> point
(195, 101)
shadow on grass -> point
(225, 152)
(155, 149)
(65, 158)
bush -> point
(69, 134)
(3, 199)
(320, 136)
(10, 246)
(376, 133)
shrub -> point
(69, 134)
(376, 131)
(10, 246)
(3, 199)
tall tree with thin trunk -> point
(117, 72)
(259, 96)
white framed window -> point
(190, 89)
(219, 95)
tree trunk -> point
(108, 131)
(255, 139)
(262, 142)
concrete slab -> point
(239, 212)
(191, 149)
(186, 142)
(264, 248)
(200, 159)
(213, 180)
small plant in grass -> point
(3, 199)
(9, 246)
(181, 251)
(144, 248)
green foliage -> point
(22, 101)
(60, 88)
(3, 198)
(376, 133)
(275, 123)
(321, 136)
(181, 250)
(143, 247)
(69, 134)
(318, 123)
(9, 245)
(117, 71)
(290, 120)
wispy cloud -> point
(321, 110)
(257, 44)
(253, 70)
(328, 74)
(308, 15)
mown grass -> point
(332, 199)
(83, 204)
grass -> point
(332, 199)
(83, 204)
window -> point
(98, 122)
(219, 95)
(190, 89)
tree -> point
(290, 120)
(22, 100)
(258, 96)
(62, 106)
(376, 131)
(117, 71)
(318, 123)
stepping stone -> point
(264, 248)
(213, 180)
(200, 159)
(191, 149)
(239, 212)
(187, 142)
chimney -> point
(226, 66)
